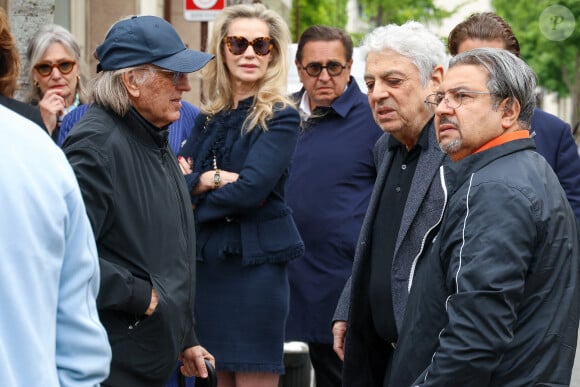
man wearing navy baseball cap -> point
(138, 203)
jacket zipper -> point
(444, 187)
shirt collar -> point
(502, 139)
(305, 106)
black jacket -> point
(495, 300)
(365, 358)
(141, 216)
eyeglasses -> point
(45, 69)
(314, 69)
(176, 76)
(237, 45)
(453, 99)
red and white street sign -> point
(202, 10)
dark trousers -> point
(327, 365)
(388, 369)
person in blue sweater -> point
(328, 203)
(50, 333)
(553, 137)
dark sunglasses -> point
(238, 45)
(175, 76)
(45, 69)
(314, 69)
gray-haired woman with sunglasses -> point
(56, 81)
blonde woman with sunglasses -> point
(54, 59)
(236, 165)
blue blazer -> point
(555, 142)
(256, 201)
(330, 184)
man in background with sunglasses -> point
(329, 187)
(138, 203)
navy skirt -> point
(240, 311)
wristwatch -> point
(216, 179)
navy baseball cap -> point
(147, 39)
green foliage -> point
(309, 12)
(556, 63)
(381, 12)
(305, 13)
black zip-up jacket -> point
(140, 211)
(495, 302)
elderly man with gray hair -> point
(138, 203)
(404, 64)
(494, 300)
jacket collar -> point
(343, 104)
(458, 172)
(145, 130)
(347, 100)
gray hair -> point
(509, 77)
(109, 91)
(40, 42)
(411, 40)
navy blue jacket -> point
(555, 142)
(330, 184)
(256, 201)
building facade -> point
(89, 21)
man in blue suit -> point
(328, 204)
(553, 136)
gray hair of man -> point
(509, 77)
(37, 46)
(411, 40)
(107, 88)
